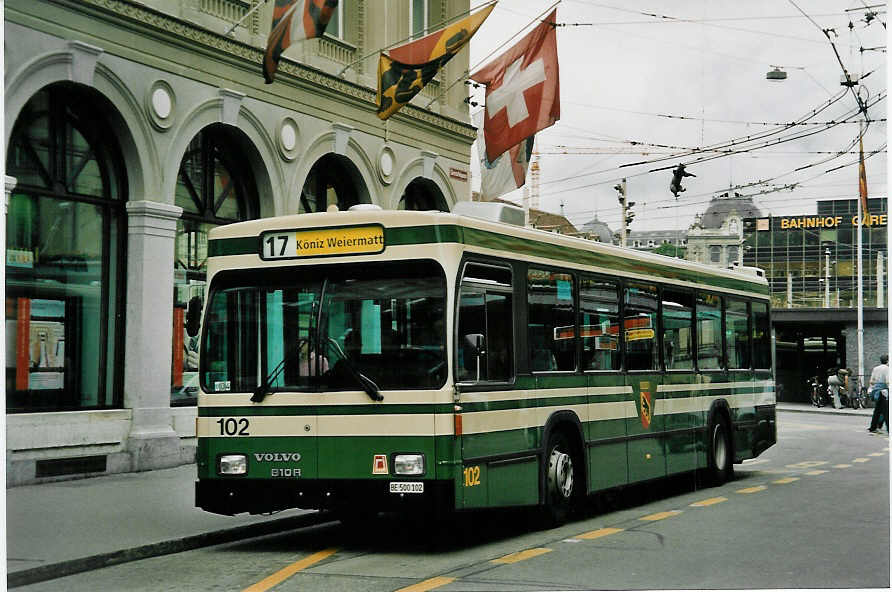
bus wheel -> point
(561, 480)
(721, 468)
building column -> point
(151, 229)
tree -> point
(670, 250)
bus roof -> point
(426, 227)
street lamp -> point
(776, 75)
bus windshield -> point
(316, 328)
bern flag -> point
(522, 90)
(404, 72)
(294, 20)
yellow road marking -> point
(786, 480)
(808, 464)
(875, 454)
(601, 532)
(816, 473)
(521, 555)
(661, 515)
(861, 460)
(755, 489)
(286, 572)
(709, 502)
(426, 585)
(842, 466)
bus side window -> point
(737, 334)
(678, 312)
(709, 331)
(485, 337)
(761, 335)
(599, 324)
(551, 321)
(639, 327)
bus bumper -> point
(258, 496)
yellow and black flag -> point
(403, 73)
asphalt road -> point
(811, 512)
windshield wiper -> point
(262, 389)
(367, 384)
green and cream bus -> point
(376, 360)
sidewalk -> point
(809, 408)
(66, 527)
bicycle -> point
(814, 390)
(858, 397)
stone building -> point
(716, 237)
(132, 128)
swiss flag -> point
(522, 89)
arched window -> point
(65, 238)
(423, 194)
(332, 180)
(215, 185)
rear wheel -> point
(721, 467)
(562, 484)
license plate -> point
(404, 487)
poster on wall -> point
(41, 344)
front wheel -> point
(561, 477)
(721, 467)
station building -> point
(132, 128)
(810, 262)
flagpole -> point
(241, 20)
(467, 72)
(409, 38)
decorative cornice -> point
(289, 72)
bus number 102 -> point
(472, 476)
(230, 426)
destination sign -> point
(322, 242)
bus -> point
(368, 360)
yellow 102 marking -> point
(472, 476)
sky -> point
(643, 82)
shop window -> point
(709, 331)
(678, 323)
(599, 324)
(551, 318)
(64, 241)
(737, 334)
(639, 327)
(214, 186)
(485, 343)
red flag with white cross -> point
(522, 89)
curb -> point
(74, 566)
(844, 411)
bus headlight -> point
(408, 464)
(232, 464)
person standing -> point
(878, 389)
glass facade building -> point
(811, 260)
